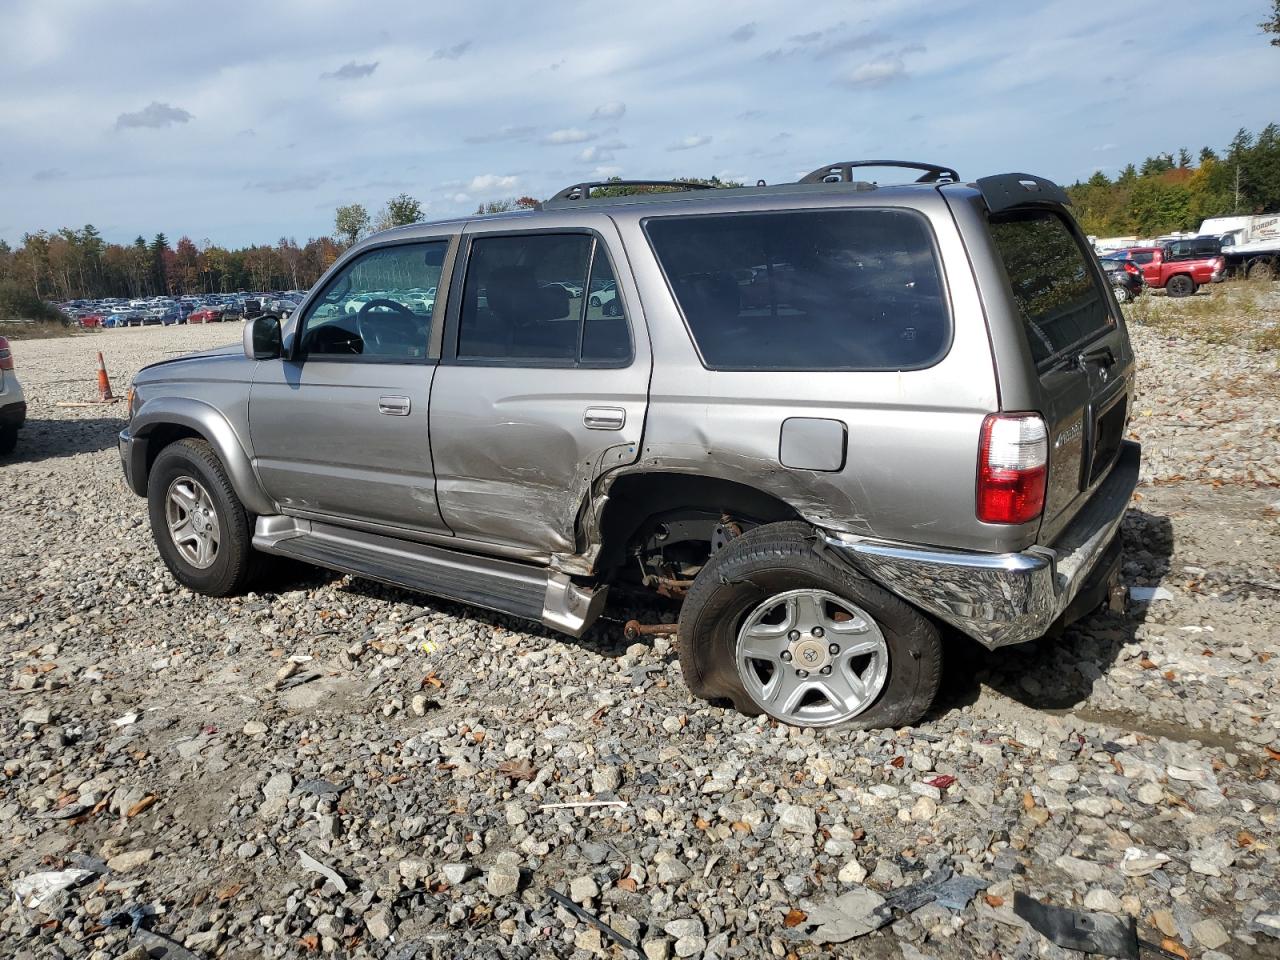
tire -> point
(787, 560)
(593, 302)
(8, 440)
(232, 563)
(1180, 285)
(1122, 294)
(1260, 270)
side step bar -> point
(502, 585)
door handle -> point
(604, 418)
(394, 406)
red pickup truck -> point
(1180, 267)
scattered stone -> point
(1210, 934)
(130, 859)
(798, 819)
(502, 880)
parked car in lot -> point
(1180, 267)
(90, 321)
(13, 402)
(205, 315)
(828, 475)
(1125, 276)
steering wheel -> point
(371, 334)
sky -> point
(245, 122)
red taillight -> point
(6, 355)
(1129, 267)
(1013, 459)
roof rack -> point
(582, 191)
(843, 172)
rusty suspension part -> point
(634, 629)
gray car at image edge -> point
(840, 421)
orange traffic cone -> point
(104, 384)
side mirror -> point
(262, 338)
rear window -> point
(1058, 295)
(1193, 248)
(807, 290)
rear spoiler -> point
(1005, 190)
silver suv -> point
(836, 419)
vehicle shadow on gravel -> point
(49, 439)
(1058, 673)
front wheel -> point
(202, 531)
(778, 626)
(1180, 286)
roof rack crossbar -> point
(843, 172)
(582, 191)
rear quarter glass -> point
(1059, 298)
(844, 289)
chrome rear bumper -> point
(1002, 598)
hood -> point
(232, 350)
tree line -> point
(72, 264)
(1171, 192)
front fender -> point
(214, 427)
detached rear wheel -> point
(778, 626)
(202, 531)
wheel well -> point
(163, 434)
(636, 500)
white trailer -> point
(1251, 245)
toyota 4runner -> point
(835, 418)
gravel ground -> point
(340, 768)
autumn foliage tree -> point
(1167, 193)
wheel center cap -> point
(809, 654)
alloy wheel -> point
(811, 658)
(192, 521)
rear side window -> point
(1061, 301)
(807, 290)
(1142, 258)
(1193, 248)
(546, 299)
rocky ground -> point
(338, 768)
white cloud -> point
(609, 111)
(491, 181)
(876, 73)
(568, 135)
(600, 152)
(460, 198)
(153, 115)
(689, 143)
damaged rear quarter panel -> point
(912, 436)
